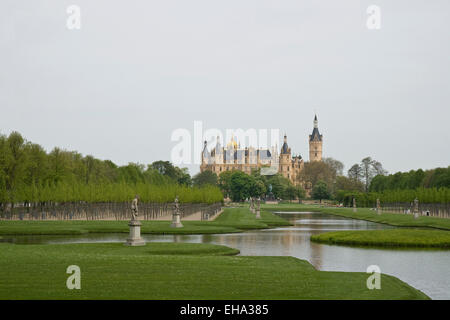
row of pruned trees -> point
(424, 195)
(30, 174)
(434, 178)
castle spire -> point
(315, 134)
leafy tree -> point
(165, 168)
(320, 191)
(15, 163)
(225, 182)
(183, 176)
(316, 171)
(300, 193)
(370, 168)
(336, 165)
(132, 173)
(291, 192)
(204, 178)
(257, 187)
(240, 186)
(347, 184)
(355, 172)
(279, 185)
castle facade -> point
(233, 157)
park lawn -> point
(177, 271)
(388, 238)
(394, 219)
(230, 221)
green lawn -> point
(394, 219)
(231, 220)
(388, 238)
(176, 271)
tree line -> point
(366, 181)
(239, 186)
(434, 178)
(30, 174)
(372, 182)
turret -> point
(285, 163)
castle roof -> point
(315, 136)
(285, 147)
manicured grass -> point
(230, 221)
(176, 271)
(388, 238)
(394, 219)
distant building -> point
(233, 157)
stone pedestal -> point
(258, 209)
(416, 208)
(135, 234)
(176, 221)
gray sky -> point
(137, 70)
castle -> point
(233, 157)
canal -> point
(425, 269)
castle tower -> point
(285, 160)
(315, 143)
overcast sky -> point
(137, 70)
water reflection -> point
(427, 270)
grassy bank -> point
(388, 238)
(230, 221)
(400, 220)
(176, 271)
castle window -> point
(316, 154)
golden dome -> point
(232, 144)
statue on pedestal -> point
(176, 221)
(134, 208)
(270, 198)
(135, 225)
